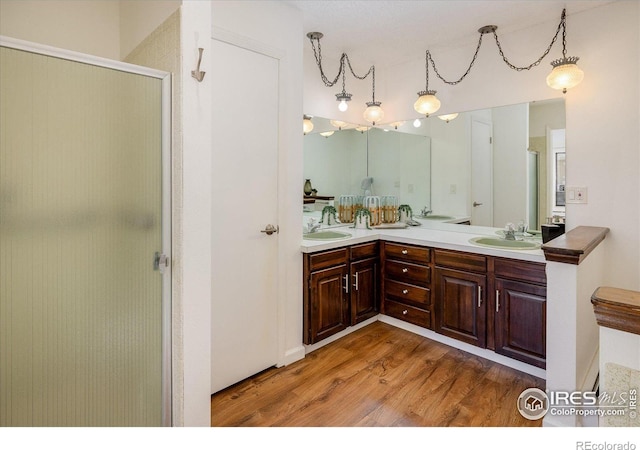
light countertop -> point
(431, 234)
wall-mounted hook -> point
(198, 74)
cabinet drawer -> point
(407, 292)
(408, 272)
(520, 270)
(459, 260)
(361, 251)
(322, 260)
(407, 313)
(409, 253)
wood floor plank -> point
(378, 376)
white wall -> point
(543, 115)
(138, 18)
(510, 143)
(90, 27)
(603, 143)
(336, 164)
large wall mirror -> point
(495, 166)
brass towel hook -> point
(198, 74)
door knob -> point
(270, 229)
(476, 204)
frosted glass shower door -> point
(81, 209)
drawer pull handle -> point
(497, 300)
(405, 312)
(356, 283)
(405, 291)
(405, 270)
(479, 296)
(405, 251)
(346, 283)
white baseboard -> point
(484, 353)
(335, 337)
(292, 355)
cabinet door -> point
(461, 306)
(328, 301)
(521, 321)
(364, 289)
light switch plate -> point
(576, 194)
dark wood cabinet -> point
(341, 289)
(521, 312)
(461, 296)
(461, 308)
(365, 282)
(407, 283)
(491, 302)
(328, 302)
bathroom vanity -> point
(431, 277)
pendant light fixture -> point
(327, 133)
(307, 124)
(565, 74)
(448, 117)
(427, 102)
(373, 113)
(343, 97)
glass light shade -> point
(307, 125)
(327, 133)
(427, 103)
(339, 124)
(373, 113)
(362, 129)
(417, 123)
(565, 74)
(397, 124)
(342, 106)
(448, 117)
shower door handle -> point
(160, 262)
(476, 204)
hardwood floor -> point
(379, 375)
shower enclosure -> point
(84, 228)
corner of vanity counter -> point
(616, 308)
(574, 246)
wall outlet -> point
(453, 189)
(576, 194)
(396, 184)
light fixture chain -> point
(433, 64)
(561, 25)
(318, 55)
(371, 69)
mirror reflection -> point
(493, 166)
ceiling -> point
(389, 32)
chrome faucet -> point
(425, 212)
(509, 232)
(312, 226)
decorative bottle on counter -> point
(307, 187)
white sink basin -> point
(436, 217)
(487, 241)
(327, 235)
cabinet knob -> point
(405, 270)
(405, 312)
(405, 251)
(405, 291)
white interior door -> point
(481, 174)
(245, 201)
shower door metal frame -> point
(165, 78)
